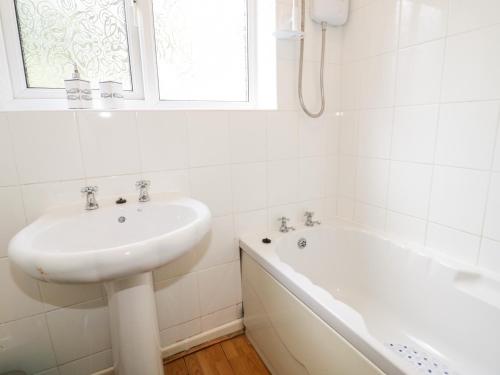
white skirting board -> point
(226, 329)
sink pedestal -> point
(134, 326)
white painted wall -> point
(249, 167)
(420, 148)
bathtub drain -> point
(424, 362)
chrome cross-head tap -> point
(143, 186)
(284, 228)
(309, 219)
(91, 203)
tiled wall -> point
(420, 148)
(249, 167)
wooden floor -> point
(235, 356)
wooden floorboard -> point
(235, 356)
(242, 357)
(177, 367)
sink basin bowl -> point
(119, 245)
(72, 245)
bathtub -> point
(339, 300)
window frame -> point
(143, 65)
(12, 41)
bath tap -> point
(91, 203)
(309, 221)
(143, 186)
(285, 228)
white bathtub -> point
(399, 308)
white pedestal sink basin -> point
(119, 245)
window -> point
(55, 34)
(201, 49)
(169, 53)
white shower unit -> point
(333, 12)
(326, 13)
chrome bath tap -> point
(284, 228)
(143, 186)
(89, 192)
(309, 219)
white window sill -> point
(129, 105)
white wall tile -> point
(109, 143)
(250, 222)
(61, 295)
(287, 84)
(212, 185)
(471, 66)
(350, 81)
(378, 77)
(369, 216)
(46, 145)
(466, 135)
(32, 335)
(489, 255)
(466, 15)
(348, 133)
(221, 317)
(492, 220)
(372, 30)
(407, 228)
(88, 321)
(220, 287)
(219, 246)
(414, 134)
(163, 140)
(39, 198)
(371, 182)
(347, 175)
(249, 186)
(19, 293)
(457, 244)
(208, 138)
(282, 135)
(177, 301)
(345, 209)
(419, 74)
(332, 133)
(88, 365)
(12, 218)
(409, 188)
(458, 198)
(8, 169)
(312, 181)
(496, 159)
(312, 136)
(169, 181)
(331, 176)
(248, 131)
(283, 181)
(422, 20)
(374, 132)
(114, 186)
(180, 332)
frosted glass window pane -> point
(56, 33)
(201, 48)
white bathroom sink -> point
(72, 245)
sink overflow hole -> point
(122, 219)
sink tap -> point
(309, 221)
(285, 228)
(143, 186)
(90, 191)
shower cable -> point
(301, 64)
